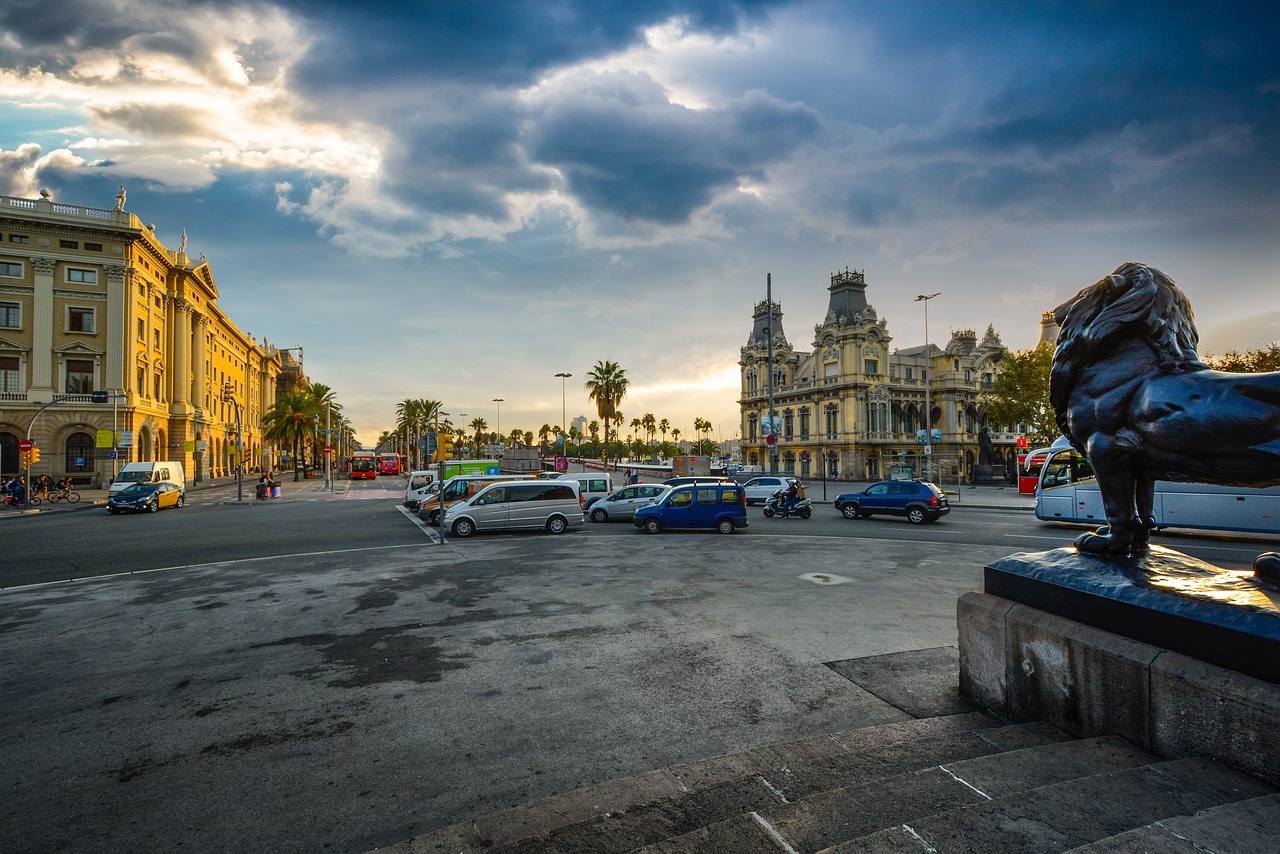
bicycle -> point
(9, 501)
(67, 495)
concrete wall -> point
(1026, 664)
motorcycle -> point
(803, 508)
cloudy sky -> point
(457, 200)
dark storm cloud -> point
(625, 149)
(502, 43)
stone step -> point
(1068, 814)
(830, 817)
(637, 810)
(1243, 827)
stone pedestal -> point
(1023, 661)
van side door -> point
(491, 510)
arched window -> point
(79, 453)
(8, 454)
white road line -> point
(215, 563)
(423, 526)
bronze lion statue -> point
(1130, 393)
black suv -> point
(918, 500)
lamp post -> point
(564, 448)
(928, 405)
(497, 420)
(229, 398)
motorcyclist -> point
(790, 497)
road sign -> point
(99, 397)
(26, 445)
(328, 449)
(771, 439)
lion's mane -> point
(1134, 301)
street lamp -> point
(564, 448)
(497, 420)
(229, 398)
(928, 429)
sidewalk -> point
(91, 497)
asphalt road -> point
(311, 675)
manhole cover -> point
(825, 578)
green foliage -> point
(1257, 361)
(1020, 394)
(607, 384)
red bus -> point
(390, 463)
(364, 465)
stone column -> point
(43, 380)
(180, 359)
(200, 326)
(117, 327)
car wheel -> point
(724, 526)
(557, 525)
(113, 511)
(599, 515)
(850, 511)
(182, 501)
(463, 528)
(652, 526)
(153, 506)
(433, 518)
(916, 516)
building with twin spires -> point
(853, 407)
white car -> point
(759, 489)
(621, 505)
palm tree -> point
(675, 437)
(543, 432)
(650, 425)
(607, 384)
(479, 425)
(291, 422)
(663, 426)
(528, 438)
(517, 436)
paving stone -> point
(1004, 774)
(1066, 815)
(739, 835)
(648, 823)
(1244, 827)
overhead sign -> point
(26, 445)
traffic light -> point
(446, 448)
(35, 456)
(24, 459)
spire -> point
(848, 294)
(760, 331)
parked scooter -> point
(803, 508)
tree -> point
(543, 433)
(1019, 394)
(291, 422)
(1257, 361)
(664, 426)
(607, 384)
(650, 425)
(479, 425)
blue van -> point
(718, 506)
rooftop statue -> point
(1131, 394)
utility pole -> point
(773, 446)
(928, 405)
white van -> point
(153, 472)
(419, 486)
(550, 505)
(592, 485)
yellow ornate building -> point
(854, 408)
(91, 301)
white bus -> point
(1068, 492)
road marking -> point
(215, 563)
(423, 526)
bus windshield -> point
(1065, 468)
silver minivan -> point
(622, 504)
(592, 485)
(550, 505)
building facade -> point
(853, 407)
(91, 301)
